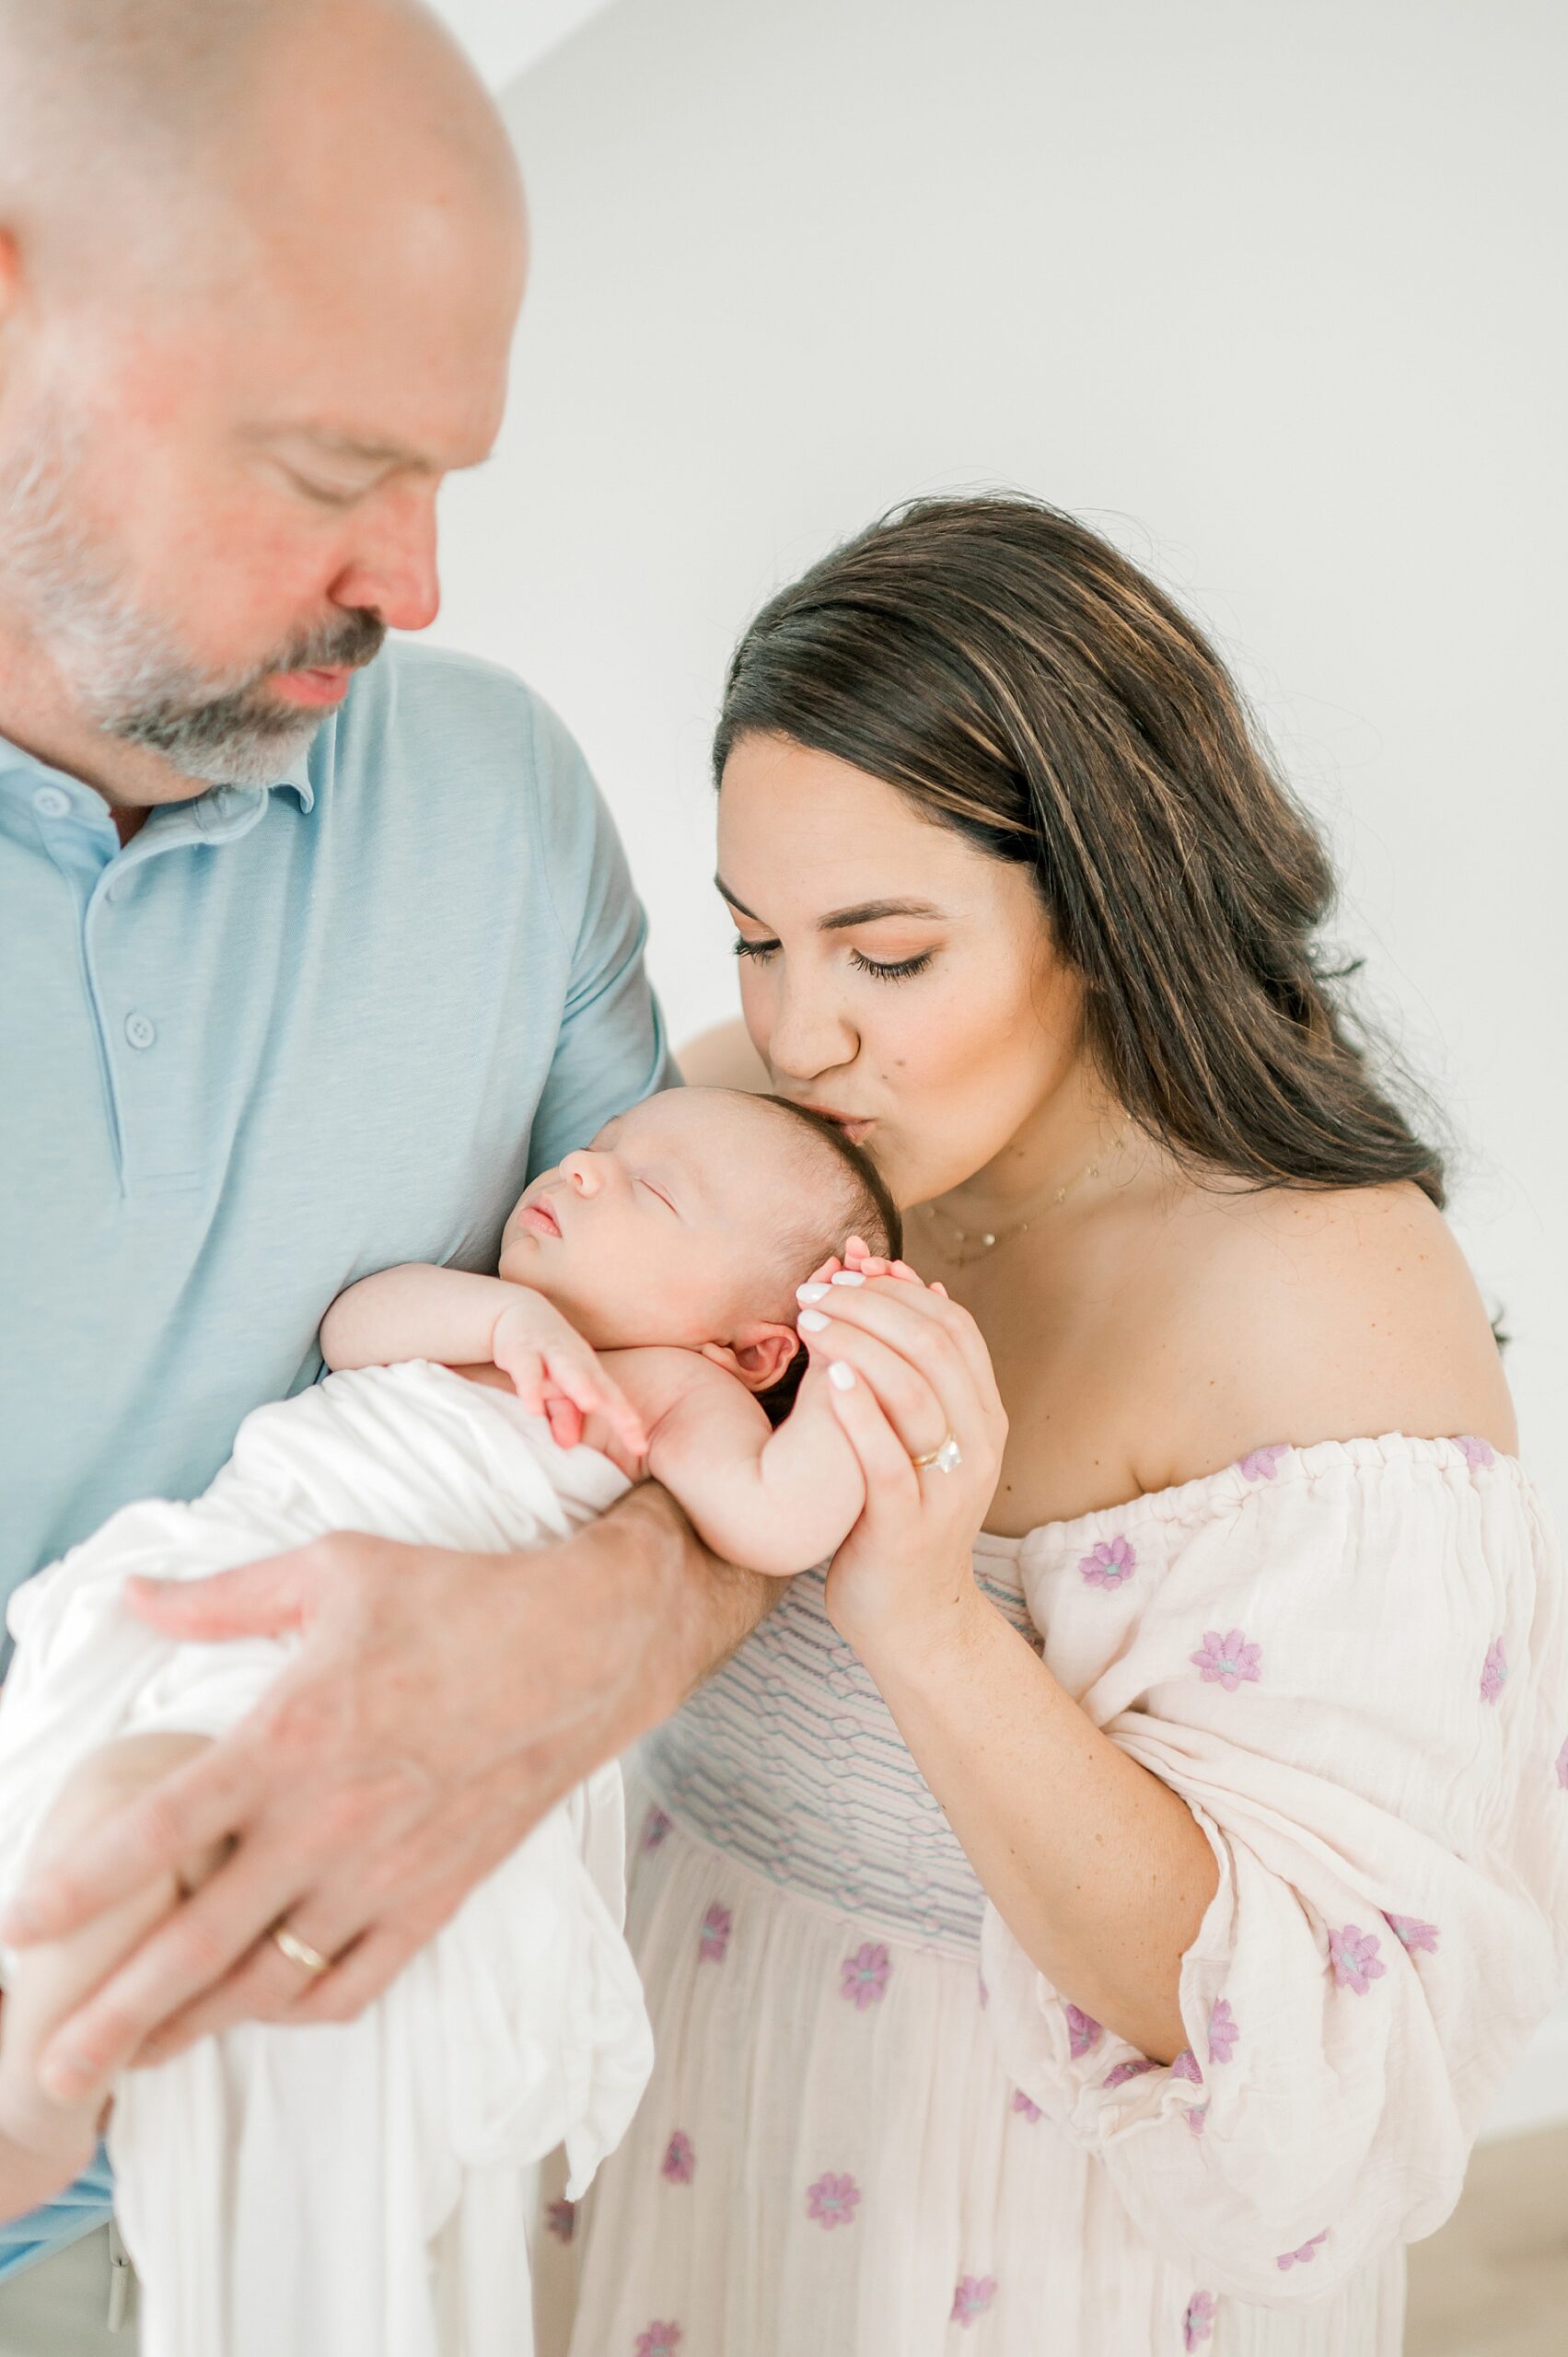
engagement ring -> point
(945, 1457)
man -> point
(313, 947)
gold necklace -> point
(985, 1240)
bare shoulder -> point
(723, 1058)
(1299, 1316)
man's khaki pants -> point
(63, 2307)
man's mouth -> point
(324, 684)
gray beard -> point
(126, 674)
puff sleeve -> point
(1351, 1663)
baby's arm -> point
(460, 1319)
(44, 2144)
(415, 1312)
(777, 1502)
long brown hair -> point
(1024, 683)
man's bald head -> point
(259, 264)
(148, 128)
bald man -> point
(314, 948)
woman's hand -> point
(558, 1375)
(920, 1372)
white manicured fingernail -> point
(840, 1376)
(813, 1321)
(809, 1292)
(849, 1277)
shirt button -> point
(140, 1030)
(50, 803)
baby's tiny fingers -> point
(527, 1382)
(566, 1419)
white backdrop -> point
(1270, 292)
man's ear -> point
(759, 1353)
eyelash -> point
(898, 974)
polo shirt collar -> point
(213, 815)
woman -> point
(1093, 1918)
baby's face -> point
(673, 1226)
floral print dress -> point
(875, 2130)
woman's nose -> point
(808, 1037)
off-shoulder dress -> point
(874, 2128)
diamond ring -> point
(945, 1457)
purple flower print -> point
(1263, 1464)
(864, 1975)
(1185, 2066)
(1083, 2033)
(679, 2165)
(1198, 2324)
(972, 2299)
(1108, 1565)
(561, 2220)
(1478, 1454)
(1562, 1765)
(1026, 2107)
(659, 2340)
(832, 2201)
(1411, 1933)
(1354, 1955)
(1229, 1658)
(1125, 2071)
(1222, 2031)
(1493, 1676)
(714, 1937)
(1289, 2258)
(656, 1824)
(1196, 2118)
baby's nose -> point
(582, 1172)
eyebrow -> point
(839, 920)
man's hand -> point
(439, 1704)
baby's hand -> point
(558, 1375)
(861, 1261)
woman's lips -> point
(855, 1126)
(539, 1219)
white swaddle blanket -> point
(360, 2190)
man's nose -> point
(393, 569)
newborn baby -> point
(366, 2186)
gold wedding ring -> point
(300, 1951)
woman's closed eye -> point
(897, 971)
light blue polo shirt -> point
(287, 1035)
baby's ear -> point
(759, 1354)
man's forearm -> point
(678, 1610)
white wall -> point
(504, 36)
(1269, 291)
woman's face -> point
(890, 972)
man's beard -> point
(125, 673)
